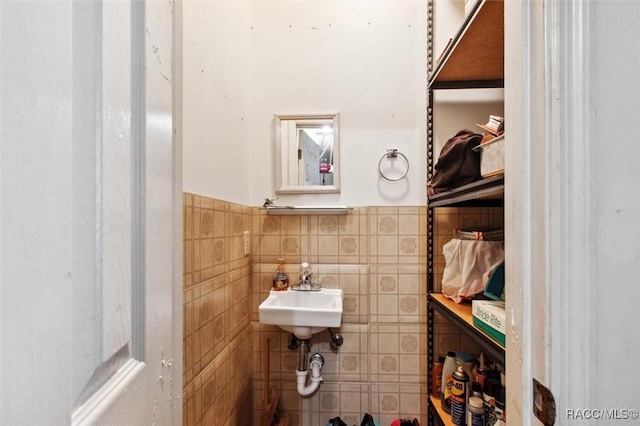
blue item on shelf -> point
(495, 285)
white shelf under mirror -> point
(298, 210)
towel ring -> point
(393, 153)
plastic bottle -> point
(476, 390)
(475, 411)
(280, 279)
(468, 362)
(448, 368)
(436, 377)
(481, 372)
(489, 394)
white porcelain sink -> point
(302, 313)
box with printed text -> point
(490, 317)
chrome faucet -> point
(305, 285)
(305, 279)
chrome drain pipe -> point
(315, 361)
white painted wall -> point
(217, 99)
(617, 168)
(462, 109)
(366, 60)
(246, 61)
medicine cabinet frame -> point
(287, 152)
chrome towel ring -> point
(391, 154)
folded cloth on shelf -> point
(466, 262)
(458, 163)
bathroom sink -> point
(302, 313)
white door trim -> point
(106, 396)
(524, 200)
(571, 196)
(550, 210)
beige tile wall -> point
(217, 313)
(377, 255)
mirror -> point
(307, 154)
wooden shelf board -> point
(461, 310)
(487, 192)
(467, 84)
(477, 51)
(443, 417)
(460, 314)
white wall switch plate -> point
(246, 242)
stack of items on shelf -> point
(482, 233)
(472, 391)
(474, 264)
(491, 147)
(495, 125)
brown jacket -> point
(458, 164)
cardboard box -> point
(491, 157)
(490, 317)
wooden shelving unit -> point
(460, 315)
(475, 56)
(442, 417)
(474, 59)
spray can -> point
(459, 395)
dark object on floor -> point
(405, 422)
(367, 420)
(337, 421)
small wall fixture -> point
(298, 210)
(275, 209)
(392, 155)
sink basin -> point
(302, 313)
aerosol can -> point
(459, 395)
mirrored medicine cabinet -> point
(307, 154)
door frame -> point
(550, 211)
